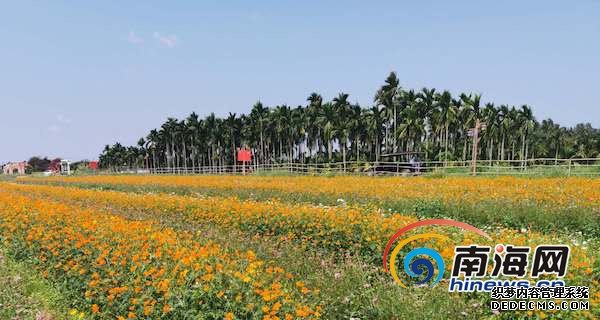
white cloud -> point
(54, 128)
(169, 41)
(62, 119)
(134, 38)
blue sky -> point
(75, 76)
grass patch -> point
(529, 171)
(26, 295)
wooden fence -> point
(541, 166)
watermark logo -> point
(419, 263)
(470, 266)
(514, 280)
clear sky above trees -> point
(77, 76)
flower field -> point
(222, 247)
(544, 204)
(547, 192)
(126, 269)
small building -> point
(11, 167)
(65, 167)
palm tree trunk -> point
(262, 144)
(526, 149)
(502, 148)
(357, 150)
(319, 144)
(192, 153)
(173, 155)
(212, 158)
(387, 139)
(523, 150)
(167, 157)
(512, 153)
(234, 155)
(184, 154)
(280, 149)
(377, 148)
(395, 131)
(220, 156)
(344, 152)
(153, 159)
(446, 147)
(491, 152)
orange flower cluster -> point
(118, 268)
(337, 229)
(541, 192)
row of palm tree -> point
(432, 124)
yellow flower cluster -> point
(337, 229)
(549, 192)
(119, 268)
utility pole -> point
(475, 134)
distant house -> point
(11, 167)
(54, 166)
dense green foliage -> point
(434, 124)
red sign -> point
(244, 155)
(93, 165)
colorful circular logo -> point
(421, 263)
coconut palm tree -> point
(387, 96)
(313, 129)
(491, 117)
(327, 119)
(448, 115)
(169, 131)
(191, 133)
(258, 118)
(232, 128)
(356, 127)
(342, 125)
(426, 120)
(374, 129)
(527, 123)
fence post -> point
(391, 168)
